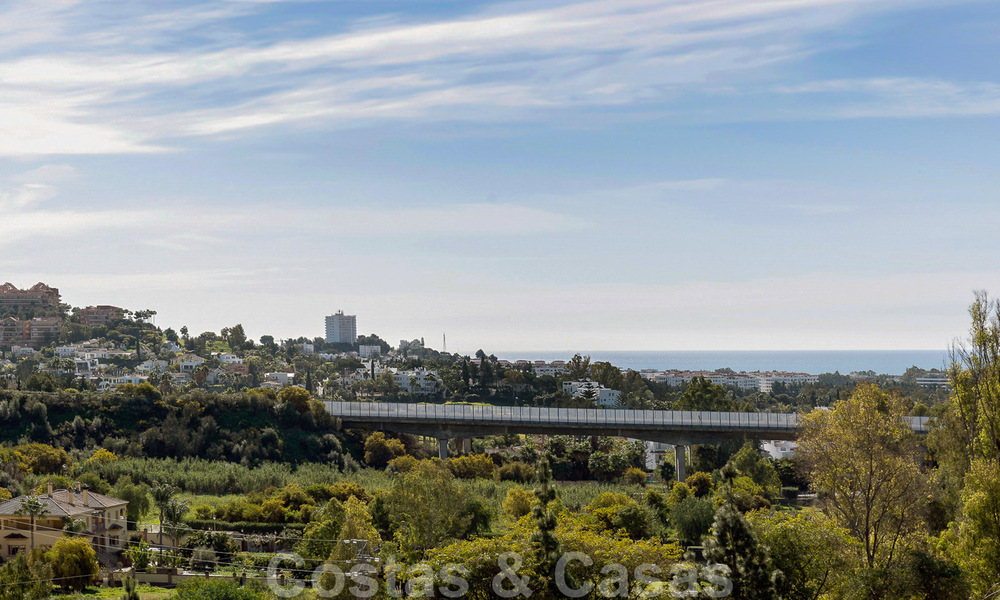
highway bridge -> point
(679, 428)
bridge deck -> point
(445, 421)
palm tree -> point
(162, 494)
(174, 511)
(34, 508)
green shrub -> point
(346, 489)
(634, 476)
(518, 502)
(517, 471)
(692, 518)
(700, 484)
(474, 466)
(219, 589)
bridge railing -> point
(600, 418)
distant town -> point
(105, 346)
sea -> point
(887, 362)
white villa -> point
(104, 516)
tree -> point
(73, 561)
(235, 337)
(545, 544)
(975, 375)
(25, 579)
(749, 462)
(428, 507)
(815, 555)
(319, 537)
(137, 496)
(864, 460)
(43, 459)
(357, 526)
(691, 517)
(578, 368)
(379, 450)
(162, 493)
(702, 394)
(34, 508)
(173, 513)
(733, 543)
(975, 538)
(297, 397)
(607, 375)
(966, 447)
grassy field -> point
(146, 592)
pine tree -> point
(543, 540)
(734, 544)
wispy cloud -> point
(97, 87)
(899, 97)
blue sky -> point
(719, 174)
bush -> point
(245, 526)
(633, 519)
(517, 471)
(692, 518)
(634, 476)
(203, 559)
(518, 502)
(43, 459)
(219, 589)
(606, 505)
(73, 561)
(346, 489)
(218, 542)
(402, 464)
(379, 450)
(140, 555)
(700, 484)
(678, 493)
(475, 466)
(658, 504)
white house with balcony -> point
(282, 378)
(189, 362)
(586, 388)
(418, 381)
(152, 366)
(228, 358)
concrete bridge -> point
(678, 428)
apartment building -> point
(31, 333)
(767, 380)
(341, 328)
(95, 316)
(37, 295)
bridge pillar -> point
(443, 448)
(680, 458)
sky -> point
(564, 175)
